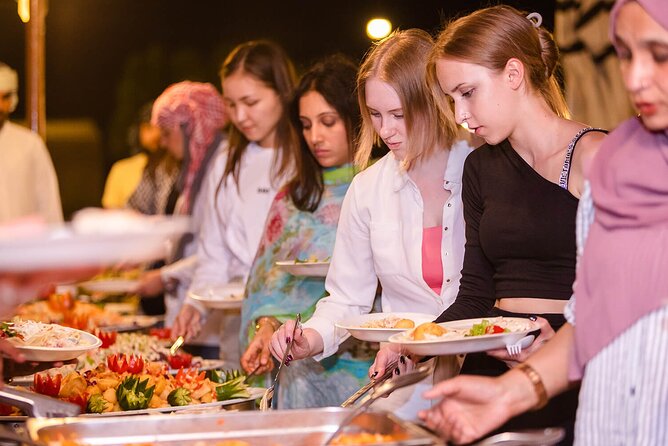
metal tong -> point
(385, 388)
(389, 371)
(36, 405)
(268, 397)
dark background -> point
(105, 58)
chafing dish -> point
(309, 427)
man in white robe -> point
(28, 182)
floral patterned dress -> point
(293, 234)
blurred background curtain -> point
(594, 87)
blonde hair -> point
(400, 61)
(490, 37)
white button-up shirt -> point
(379, 237)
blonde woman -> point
(401, 221)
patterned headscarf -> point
(198, 109)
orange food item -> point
(428, 328)
(364, 438)
(404, 323)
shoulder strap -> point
(566, 169)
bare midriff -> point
(531, 305)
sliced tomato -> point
(188, 376)
(108, 338)
(135, 364)
(120, 363)
(45, 384)
(161, 333)
(494, 329)
(180, 360)
(80, 400)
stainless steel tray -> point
(310, 427)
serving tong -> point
(36, 405)
(382, 390)
(389, 371)
(268, 397)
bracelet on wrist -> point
(536, 382)
(266, 320)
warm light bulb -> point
(24, 10)
(378, 28)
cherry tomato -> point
(161, 333)
(180, 360)
(494, 329)
(46, 385)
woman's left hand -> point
(257, 357)
(546, 333)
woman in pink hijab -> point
(616, 341)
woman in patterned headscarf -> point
(191, 117)
(618, 346)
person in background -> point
(28, 182)
(191, 118)
(401, 220)
(258, 81)
(155, 193)
(302, 225)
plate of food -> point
(110, 286)
(309, 267)
(464, 336)
(95, 237)
(48, 342)
(131, 386)
(221, 297)
(378, 327)
(132, 323)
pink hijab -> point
(623, 273)
(199, 110)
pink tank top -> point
(432, 264)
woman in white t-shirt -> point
(257, 80)
(401, 221)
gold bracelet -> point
(537, 383)
(275, 324)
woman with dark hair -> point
(258, 82)
(302, 225)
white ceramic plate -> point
(50, 354)
(469, 344)
(255, 392)
(133, 323)
(221, 297)
(354, 325)
(110, 286)
(63, 247)
(312, 269)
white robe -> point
(28, 182)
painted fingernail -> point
(396, 371)
(533, 318)
(374, 374)
(290, 358)
(287, 339)
(402, 359)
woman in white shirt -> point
(257, 80)
(403, 209)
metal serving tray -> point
(273, 428)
